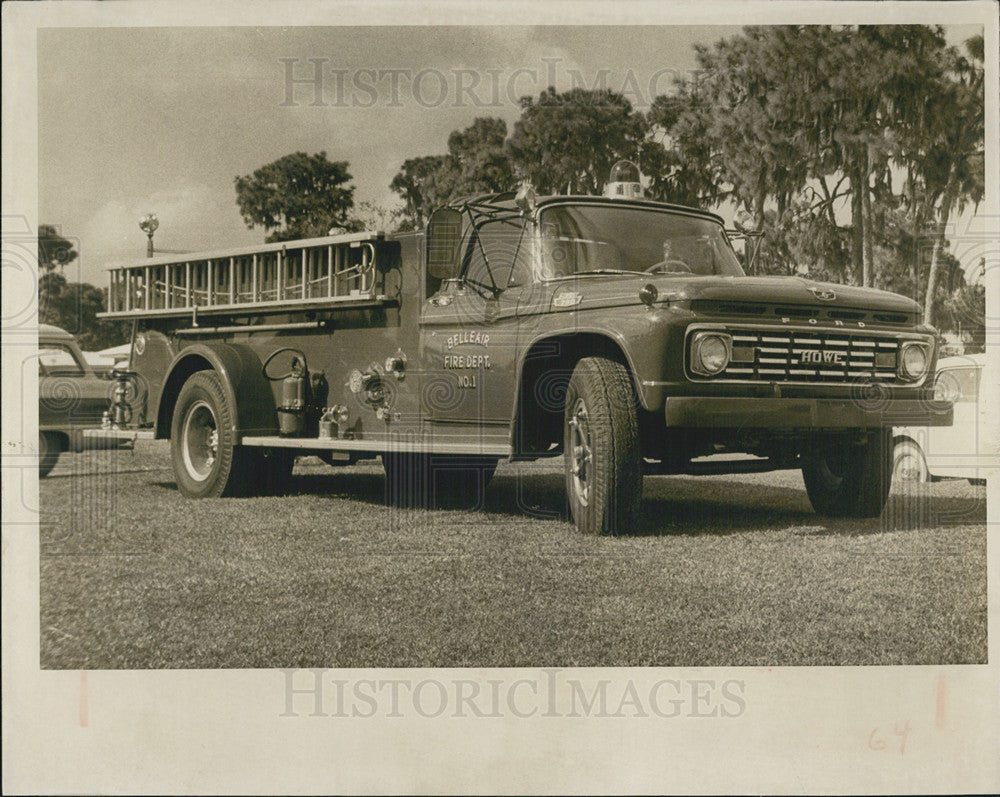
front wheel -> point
(849, 479)
(601, 439)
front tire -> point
(206, 461)
(602, 456)
(846, 479)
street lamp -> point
(148, 225)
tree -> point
(296, 196)
(809, 122)
(377, 218)
(567, 143)
(965, 310)
(424, 184)
(678, 155)
(476, 163)
(953, 166)
(72, 306)
(479, 159)
(748, 128)
(884, 76)
(54, 253)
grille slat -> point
(811, 356)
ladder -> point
(334, 269)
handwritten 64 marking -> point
(881, 740)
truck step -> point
(426, 444)
(119, 434)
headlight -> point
(946, 387)
(710, 352)
(913, 360)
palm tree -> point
(953, 165)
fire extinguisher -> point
(294, 393)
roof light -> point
(624, 182)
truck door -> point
(469, 327)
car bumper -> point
(802, 413)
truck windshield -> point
(577, 239)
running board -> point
(718, 467)
(436, 444)
(119, 434)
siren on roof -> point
(624, 181)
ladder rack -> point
(314, 271)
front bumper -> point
(802, 413)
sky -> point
(137, 120)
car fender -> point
(650, 400)
(243, 381)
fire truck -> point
(618, 333)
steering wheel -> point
(668, 265)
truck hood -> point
(618, 289)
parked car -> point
(100, 365)
(968, 448)
(71, 396)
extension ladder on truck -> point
(279, 276)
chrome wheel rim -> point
(200, 441)
(580, 452)
(908, 467)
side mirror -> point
(444, 236)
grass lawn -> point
(726, 570)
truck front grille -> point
(777, 355)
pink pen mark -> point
(939, 712)
(83, 698)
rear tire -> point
(849, 480)
(49, 449)
(602, 455)
(206, 461)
